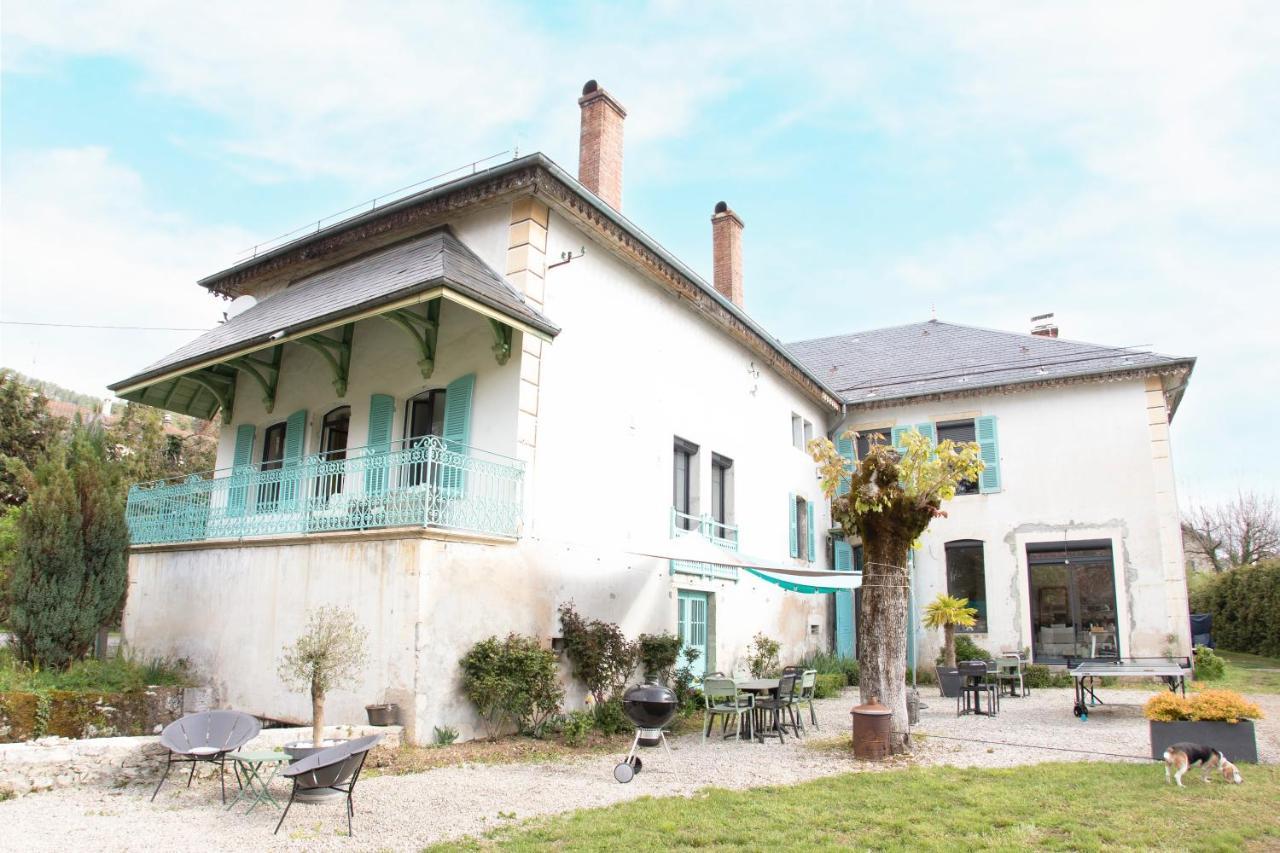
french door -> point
(691, 620)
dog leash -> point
(928, 736)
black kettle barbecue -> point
(650, 706)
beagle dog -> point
(1179, 758)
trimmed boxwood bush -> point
(1244, 603)
(1038, 675)
(1209, 667)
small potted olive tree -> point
(329, 654)
(948, 612)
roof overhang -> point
(536, 175)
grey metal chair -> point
(334, 769)
(207, 736)
(777, 709)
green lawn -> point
(1250, 673)
(1052, 806)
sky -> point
(1114, 163)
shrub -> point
(966, 649)
(1224, 706)
(923, 676)
(511, 681)
(829, 684)
(762, 655)
(610, 718)
(658, 655)
(1244, 602)
(685, 682)
(443, 736)
(576, 725)
(1208, 666)
(827, 663)
(602, 657)
(1038, 675)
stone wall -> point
(77, 714)
(57, 762)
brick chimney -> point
(726, 253)
(600, 144)
(1044, 326)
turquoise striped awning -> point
(809, 582)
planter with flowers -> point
(1222, 719)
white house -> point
(458, 411)
(1069, 544)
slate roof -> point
(435, 259)
(932, 358)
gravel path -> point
(407, 812)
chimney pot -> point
(600, 144)
(726, 253)
(1045, 326)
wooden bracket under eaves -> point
(423, 330)
(337, 352)
(222, 388)
(265, 372)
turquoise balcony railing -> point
(424, 482)
(718, 533)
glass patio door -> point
(691, 622)
(1073, 600)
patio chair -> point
(334, 769)
(808, 686)
(978, 679)
(777, 710)
(1009, 671)
(207, 736)
(724, 699)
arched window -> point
(967, 578)
(272, 460)
(333, 449)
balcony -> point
(422, 482)
(715, 532)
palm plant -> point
(947, 612)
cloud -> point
(84, 243)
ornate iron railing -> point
(421, 482)
(718, 533)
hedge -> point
(828, 685)
(1244, 603)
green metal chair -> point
(1009, 671)
(724, 699)
(808, 686)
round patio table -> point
(759, 685)
(256, 781)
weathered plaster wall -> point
(1076, 464)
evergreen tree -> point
(27, 430)
(70, 573)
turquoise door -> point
(848, 559)
(691, 621)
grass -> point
(1250, 673)
(119, 674)
(1047, 806)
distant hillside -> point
(56, 392)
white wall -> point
(1076, 464)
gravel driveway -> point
(406, 812)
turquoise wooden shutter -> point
(457, 430)
(791, 518)
(845, 447)
(382, 412)
(295, 434)
(813, 537)
(241, 467)
(843, 556)
(926, 429)
(989, 447)
(844, 623)
(896, 436)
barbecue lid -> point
(871, 709)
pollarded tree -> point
(888, 499)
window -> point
(868, 437)
(425, 417)
(967, 578)
(1073, 599)
(960, 432)
(684, 461)
(808, 436)
(802, 529)
(272, 460)
(333, 449)
(721, 495)
(797, 432)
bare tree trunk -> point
(882, 632)
(317, 718)
(949, 643)
(102, 643)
